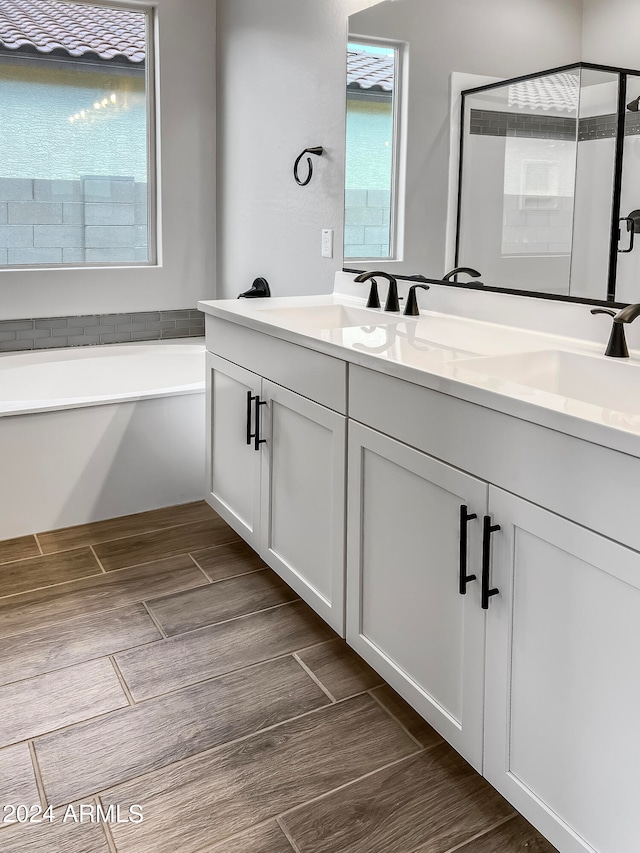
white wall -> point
(187, 204)
(611, 34)
(281, 88)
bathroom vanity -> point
(455, 498)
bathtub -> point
(96, 432)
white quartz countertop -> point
(562, 383)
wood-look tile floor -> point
(154, 661)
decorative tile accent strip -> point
(92, 329)
(605, 127)
(493, 123)
(598, 127)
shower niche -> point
(549, 193)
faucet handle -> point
(617, 345)
(411, 309)
(374, 300)
(392, 303)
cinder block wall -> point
(366, 220)
(92, 220)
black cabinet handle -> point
(250, 399)
(487, 530)
(465, 518)
(256, 431)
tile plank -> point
(203, 654)
(198, 803)
(514, 836)
(18, 549)
(226, 561)
(144, 547)
(37, 572)
(74, 641)
(57, 837)
(17, 778)
(67, 538)
(146, 737)
(220, 601)
(340, 669)
(48, 702)
(426, 804)
(406, 716)
(263, 839)
(31, 610)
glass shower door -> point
(594, 191)
(518, 182)
(628, 272)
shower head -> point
(634, 106)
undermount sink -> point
(598, 381)
(326, 317)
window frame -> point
(398, 154)
(149, 9)
(185, 185)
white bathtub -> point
(97, 432)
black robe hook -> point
(319, 150)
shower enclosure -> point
(549, 193)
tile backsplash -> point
(91, 329)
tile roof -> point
(553, 92)
(369, 70)
(49, 25)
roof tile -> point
(48, 25)
(559, 92)
(369, 70)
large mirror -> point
(408, 63)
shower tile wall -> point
(88, 330)
(543, 224)
(537, 207)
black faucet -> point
(468, 270)
(259, 288)
(392, 303)
(411, 308)
(617, 345)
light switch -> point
(327, 242)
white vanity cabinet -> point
(547, 710)
(276, 459)
(492, 564)
(562, 739)
(413, 610)
(303, 498)
(233, 468)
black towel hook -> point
(319, 150)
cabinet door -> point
(562, 738)
(405, 612)
(233, 464)
(303, 499)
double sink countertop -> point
(562, 383)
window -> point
(371, 149)
(75, 135)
